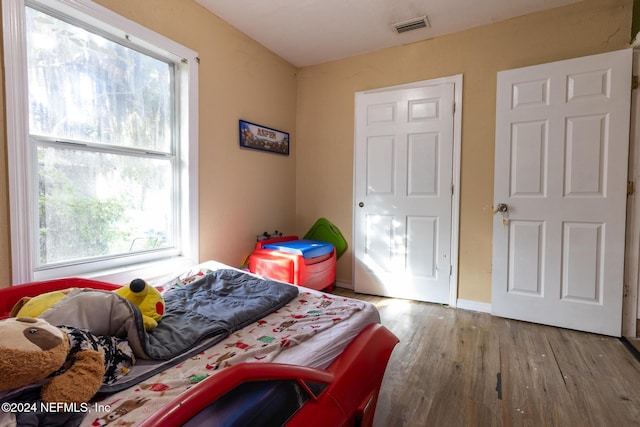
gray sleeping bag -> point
(196, 317)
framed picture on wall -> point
(263, 138)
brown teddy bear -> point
(32, 350)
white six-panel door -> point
(403, 178)
(562, 134)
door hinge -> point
(634, 82)
(450, 269)
(454, 108)
(630, 188)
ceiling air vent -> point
(411, 24)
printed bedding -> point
(265, 340)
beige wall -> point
(242, 192)
(326, 114)
(245, 192)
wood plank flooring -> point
(457, 368)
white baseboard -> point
(344, 285)
(461, 303)
(473, 306)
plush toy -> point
(147, 298)
(34, 306)
(32, 350)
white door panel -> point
(403, 178)
(562, 132)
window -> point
(102, 143)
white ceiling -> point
(307, 32)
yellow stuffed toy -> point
(35, 306)
(147, 298)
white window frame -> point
(21, 169)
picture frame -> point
(263, 138)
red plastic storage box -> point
(307, 263)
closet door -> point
(403, 192)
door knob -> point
(361, 204)
(502, 208)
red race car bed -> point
(318, 360)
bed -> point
(317, 359)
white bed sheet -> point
(322, 349)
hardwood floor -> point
(455, 367)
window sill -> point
(147, 271)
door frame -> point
(630, 307)
(456, 80)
